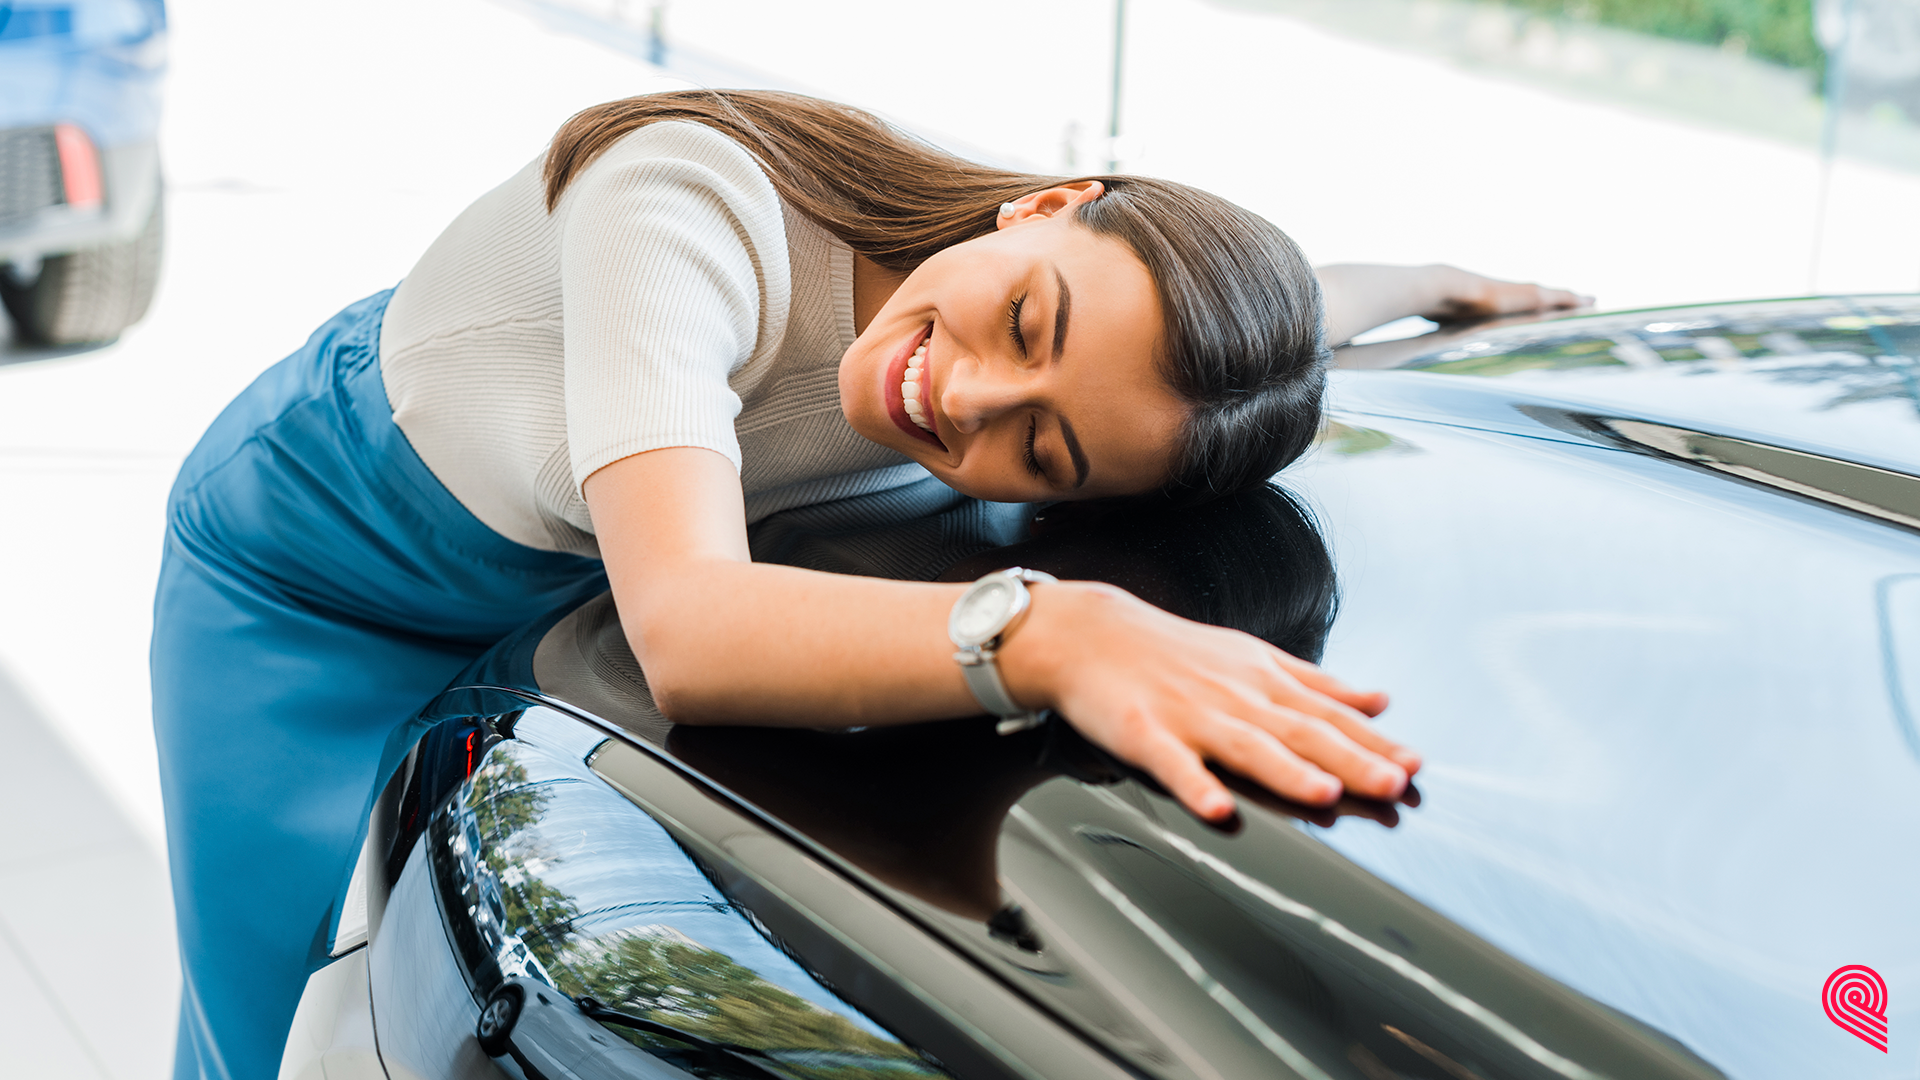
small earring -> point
(1007, 209)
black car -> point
(1654, 630)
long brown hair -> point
(1243, 345)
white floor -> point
(314, 151)
(87, 968)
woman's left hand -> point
(1467, 295)
(1361, 296)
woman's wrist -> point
(1036, 656)
(1450, 293)
(1361, 296)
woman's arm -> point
(726, 640)
(1361, 296)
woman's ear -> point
(1045, 204)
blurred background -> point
(218, 177)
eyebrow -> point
(1060, 312)
(1073, 449)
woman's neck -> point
(873, 286)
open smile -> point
(909, 391)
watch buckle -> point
(1010, 725)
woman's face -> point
(1028, 356)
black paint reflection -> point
(1253, 561)
(919, 807)
(1185, 949)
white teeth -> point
(910, 388)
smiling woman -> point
(1202, 360)
(695, 310)
(970, 359)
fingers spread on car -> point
(1168, 695)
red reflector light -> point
(79, 166)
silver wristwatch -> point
(990, 610)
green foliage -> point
(662, 977)
(1350, 440)
(706, 993)
(507, 807)
(1778, 30)
(1495, 365)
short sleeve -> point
(674, 287)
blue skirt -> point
(319, 585)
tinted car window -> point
(1832, 375)
(597, 914)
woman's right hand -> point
(1168, 695)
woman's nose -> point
(977, 392)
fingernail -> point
(1330, 790)
(1217, 805)
(1386, 779)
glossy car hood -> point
(1667, 703)
(1181, 950)
(1832, 375)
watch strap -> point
(983, 678)
(983, 674)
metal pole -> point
(1119, 56)
(1829, 138)
(657, 35)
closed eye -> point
(1032, 460)
(1013, 323)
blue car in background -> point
(80, 206)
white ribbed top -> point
(667, 301)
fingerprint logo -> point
(1856, 999)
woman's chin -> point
(870, 421)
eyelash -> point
(1013, 323)
(1033, 462)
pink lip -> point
(897, 407)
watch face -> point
(982, 613)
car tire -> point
(87, 296)
(494, 1030)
